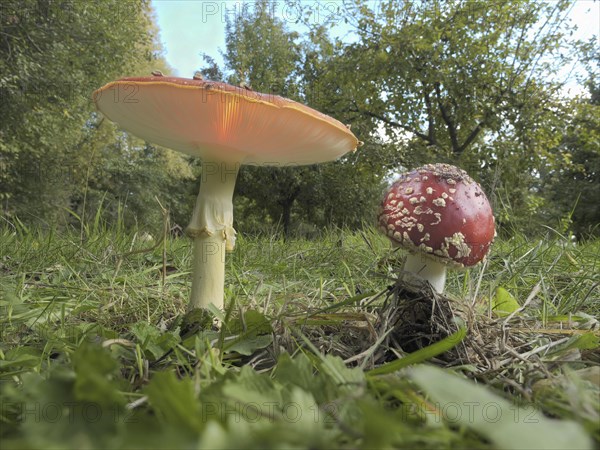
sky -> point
(191, 27)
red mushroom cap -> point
(440, 211)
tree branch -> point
(397, 125)
(478, 129)
(431, 125)
(447, 119)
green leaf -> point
(507, 426)
(216, 436)
(381, 427)
(251, 387)
(248, 343)
(49, 414)
(174, 401)
(298, 371)
(586, 341)
(20, 357)
(254, 333)
(422, 354)
(301, 413)
(301, 372)
(152, 340)
(193, 321)
(503, 303)
(95, 369)
(252, 321)
(335, 367)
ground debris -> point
(510, 352)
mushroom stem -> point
(211, 228)
(419, 268)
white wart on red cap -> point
(438, 210)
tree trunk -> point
(286, 217)
(286, 204)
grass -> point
(96, 350)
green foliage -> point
(462, 82)
(52, 144)
(574, 190)
(504, 424)
(174, 402)
(96, 352)
(432, 74)
(129, 177)
(152, 341)
(94, 376)
(467, 83)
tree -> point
(127, 178)
(573, 191)
(468, 82)
(445, 72)
(345, 192)
(51, 61)
(261, 53)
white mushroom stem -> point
(420, 268)
(211, 228)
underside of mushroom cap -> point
(218, 121)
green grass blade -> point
(421, 355)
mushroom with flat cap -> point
(442, 216)
(226, 126)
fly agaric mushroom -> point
(442, 216)
(226, 126)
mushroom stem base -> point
(418, 269)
